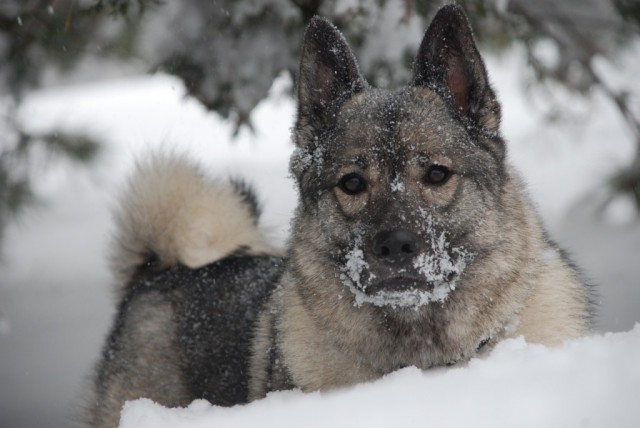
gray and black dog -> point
(413, 244)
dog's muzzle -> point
(403, 269)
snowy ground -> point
(520, 385)
(55, 302)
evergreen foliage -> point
(228, 52)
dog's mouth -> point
(402, 292)
(398, 284)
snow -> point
(397, 185)
(354, 266)
(591, 382)
(440, 264)
(443, 264)
(437, 267)
(55, 290)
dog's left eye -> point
(437, 174)
(352, 184)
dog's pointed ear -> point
(449, 63)
(328, 76)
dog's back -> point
(193, 270)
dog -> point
(413, 244)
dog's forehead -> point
(400, 123)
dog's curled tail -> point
(170, 213)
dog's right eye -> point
(352, 184)
(437, 175)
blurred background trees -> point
(228, 52)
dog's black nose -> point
(396, 246)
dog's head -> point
(399, 190)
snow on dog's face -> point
(405, 270)
(398, 187)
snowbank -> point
(591, 382)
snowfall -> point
(56, 303)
